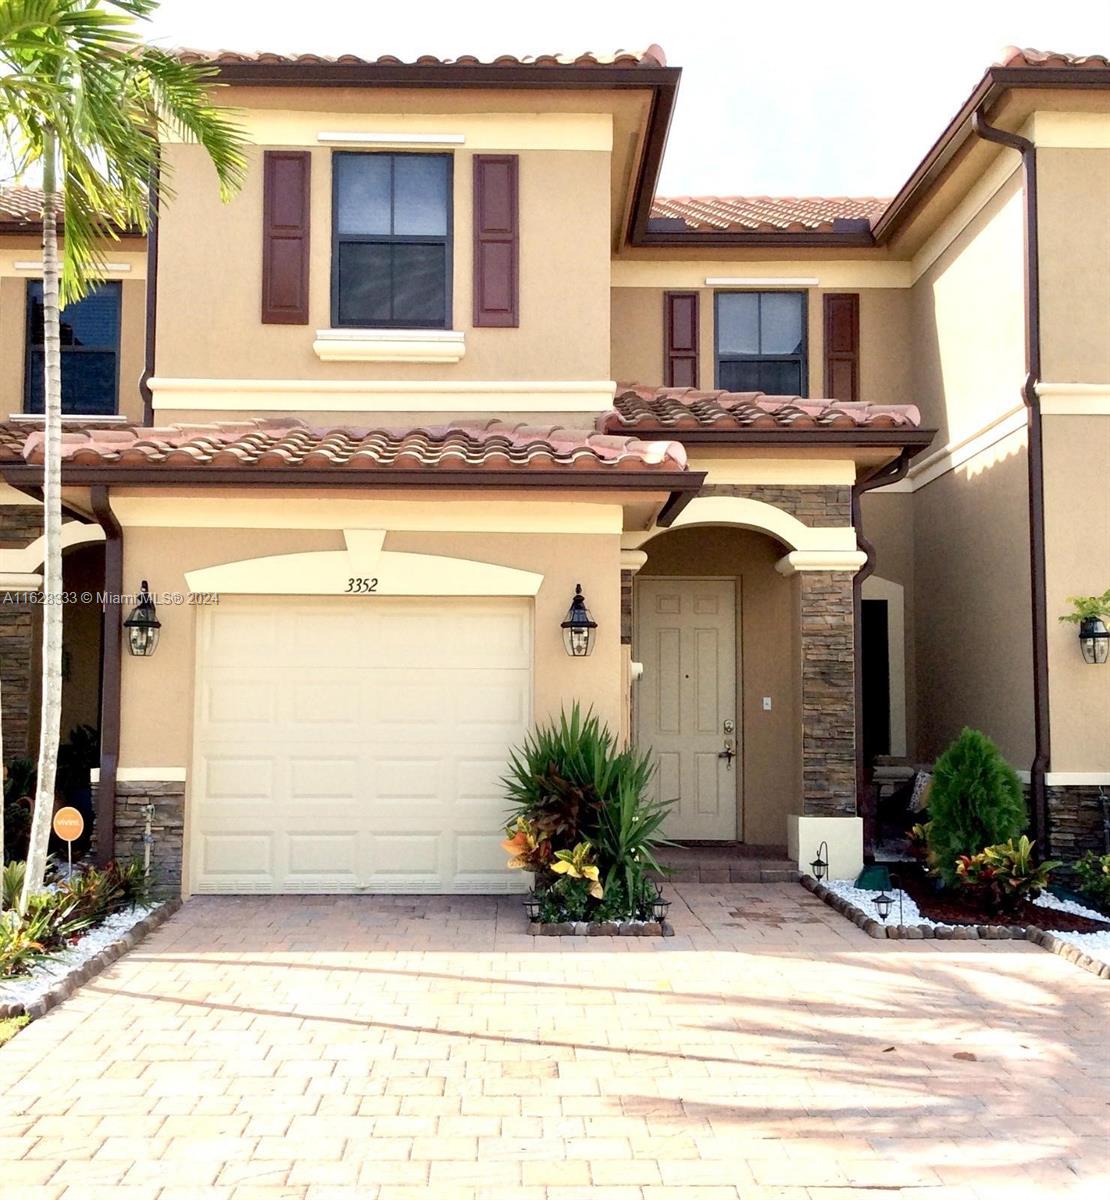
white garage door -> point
(356, 744)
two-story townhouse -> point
(815, 465)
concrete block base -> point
(844, 836)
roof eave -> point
(759, 237)
(905, 438)
(82, 475)
(996, 81)
(441, 75)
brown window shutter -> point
(842, 346)
(285, 203)
(496, 240)
(680, 337)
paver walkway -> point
(370, 1048)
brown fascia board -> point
(919, 439)
(79, 475)
(35, 227)
(987, 92)
(442, 75)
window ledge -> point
(25, 418)
(390, 345)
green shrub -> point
(976, 801)
(53, 918)
(11, 883)
(19, 951)
(19, 787)
(569, 786)
(1093, 879)
(1003, 877)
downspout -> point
(1041, 728)
(110, 647)
(151, 303)
(891, 473)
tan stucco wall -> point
(209, 323)
(13, 308)
(887, 520)
(968, 323)
(157, 700)
(885, 349)
(971, 607)
(1077, 542)
(764, 624)
(1073, 217)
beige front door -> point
(686, 700)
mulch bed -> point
(953, 909)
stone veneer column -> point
(1077, 819)
(827, 693)
(20, 524)
(167, 827)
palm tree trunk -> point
(51, 718)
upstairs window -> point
(391, 241)
(761, 342)
(90, 353)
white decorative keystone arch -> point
(812, 548)
(20, 568)
(386, 572)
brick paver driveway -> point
(392, 1047)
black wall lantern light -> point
(142, 625)
(1094, 640)
(578, 628)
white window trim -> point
(390, 345)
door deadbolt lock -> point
(729, 727)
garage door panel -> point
(375, 765)
(231, 776)
(324, 780)
(239, 701)
(326, 855)
(227, 855)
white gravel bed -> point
(26, 989)
(864, 900)
(1097, 945)
(1048, 900)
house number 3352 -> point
(362, 585)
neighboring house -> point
(387, 446)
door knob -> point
(728, 754)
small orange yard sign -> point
(68, 824)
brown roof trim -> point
(441, 75)
(905, 436)
(79, 475)
(958, 131)
(736, 237)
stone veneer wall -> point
(168, 828)
(828, 697)
(20, 524)
(814, 504)
(1076, 820)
